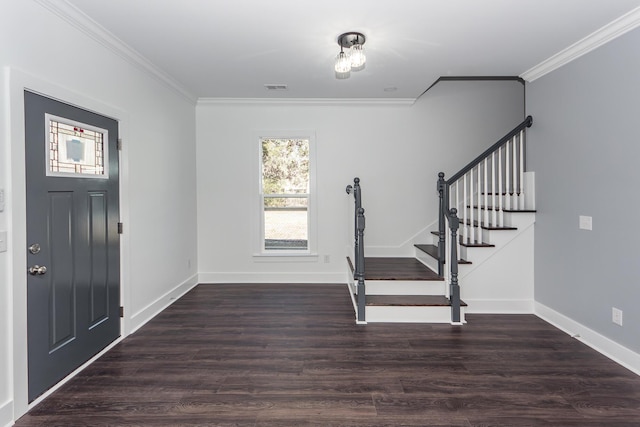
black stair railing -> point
(358, 248)
(483, 190)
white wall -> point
(6, 406)
(42, 51)
(396, 151)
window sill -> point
(285, 257)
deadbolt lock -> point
(35, 248)
(37, 270)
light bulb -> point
(343, 63)
(357, 56)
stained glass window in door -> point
(74, 148)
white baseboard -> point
(6, 414)
(603, 345)
(150, 311)
(262, 277)
(492, 306)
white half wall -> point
(500, 279)
(396, 151)
(158, 198)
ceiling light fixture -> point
(354, 59)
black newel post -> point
(454, 224)
(360, 266)
(358, 204)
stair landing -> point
(397, 269)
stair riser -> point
(519, 220)
(427, 260)
(498, 237)
(394, 314)
(399, 287)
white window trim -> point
(259, 252)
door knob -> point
(37, 270)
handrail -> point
(486, 197)
(525, 124)
(359, 225)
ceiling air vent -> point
(276, 87)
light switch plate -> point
(3, 241)
(585, 222)
(616, 316)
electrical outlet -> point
(585, 222)
(616, 316)
(327, 259)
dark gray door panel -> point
(73, 285)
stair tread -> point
(471, 244)
(410, 301)
(432, 250)
(487, 227)
(491, 208)
(476, 244)
(382, 268)
(497, 194)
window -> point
(285, 195)
(75, 148)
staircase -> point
(402, 290)
(487, 209)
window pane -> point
(285, 166)
(286, 223)
(75, 149)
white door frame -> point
(15, 83)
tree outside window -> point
(285, 193)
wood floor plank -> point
(292, 355)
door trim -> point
(15, 83)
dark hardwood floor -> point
(291, 355)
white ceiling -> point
(232, 48)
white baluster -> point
(457, 205)
(465, 211)
(477, 235)
(471, 200)
(486, 191)
(514, 195)
(500, 199)
(521, 195)
(493, 189)
(507, 176)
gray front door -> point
(73, 248)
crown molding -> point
(620, 26)
(95, 31)
(472, 79)
(307, 101)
